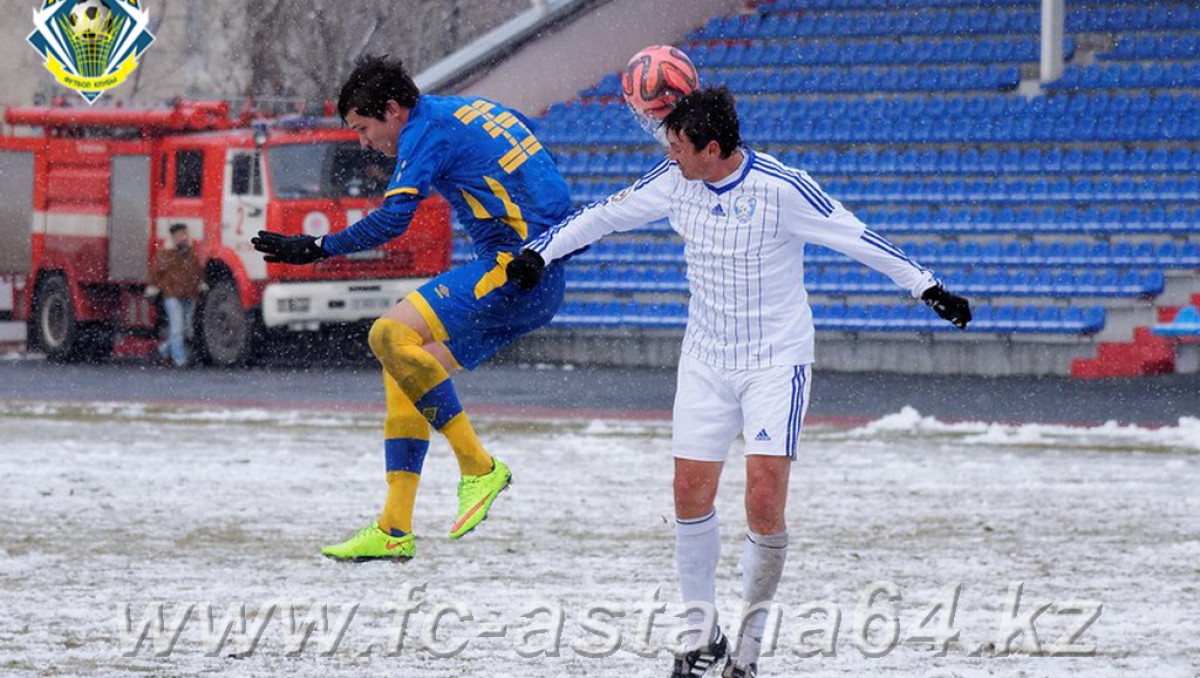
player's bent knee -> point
(377, 337)
(388, 339)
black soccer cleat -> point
(694, 664)
(733, 670)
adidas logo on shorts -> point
(762, 436)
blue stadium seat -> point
(1157, 160)
(1145, 253)
(1003, 319)
(1168, 253)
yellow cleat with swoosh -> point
(475, 497)
(372, 543)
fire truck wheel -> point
(54, 327)
(57, 332)
(226, 331)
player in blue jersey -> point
(504, 188)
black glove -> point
(525, 270)
(951, 307)
(288, 249)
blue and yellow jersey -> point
(480, 156)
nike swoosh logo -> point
(393, 545)
(470, 513)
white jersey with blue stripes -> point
(744, 243)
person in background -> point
(178, 277)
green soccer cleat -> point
(372, 543)
(475, 497)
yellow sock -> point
(406, 441)
(473, 460)
(420, 376)
(397, 515)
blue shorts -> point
(476, 311)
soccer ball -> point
(90, 18)
(657, 77)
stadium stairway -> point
(1174, 338)
(1071, 215)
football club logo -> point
(743, 207)
(91, 45)
(621, 194)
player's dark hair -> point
(374, 81)
(706, 115)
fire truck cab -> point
(90, 194)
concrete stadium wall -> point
(902, 353)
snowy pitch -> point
(111, 513)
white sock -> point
(697, 550)
(762, 567)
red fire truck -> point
(88, 196)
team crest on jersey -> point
(621, 194)
(743, 207)
(91, 46)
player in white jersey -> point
(748, 349)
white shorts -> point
(712, 406)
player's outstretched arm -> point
(955, 309)
(525, 269)
(288, 249)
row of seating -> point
(906, 50)
(889, 160)
(836, 280)
(622, 129)
(964, 129)
(852, 23)
(1176, 220)
(941, 21)
(834, 79)
(1026, 220)
(1182, 188)
(1165, 46)
(1000, 252)
(843, 79)
(772, 109)
(907, 317)
(1131, 74)
(1122, 253)
(811, 5)
(999, 160)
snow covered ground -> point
(109, 510)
